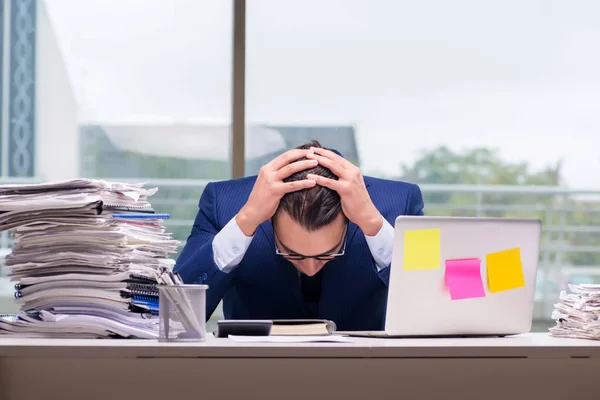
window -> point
(467, 98)
(493, 108)
(135, 90)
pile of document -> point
(577, 314)
(85, 260)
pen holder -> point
(182, 313)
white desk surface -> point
(533, 345)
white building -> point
(39, 111)
(38, 118)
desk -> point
(527, 366)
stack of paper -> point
(577, 314)
(85, 259)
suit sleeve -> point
(196, 263)
(414, 206)
(381, 245)
(415, 203)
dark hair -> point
(315, 207)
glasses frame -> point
(320, 257)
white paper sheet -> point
(78, 271)
(290, 339)
(577, 314)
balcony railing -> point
(570, 248)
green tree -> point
(476, 166)
(479, 165)
(484, 166)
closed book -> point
(303, 327)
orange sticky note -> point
(422, 249)
(505, 270)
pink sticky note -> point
(463, 278)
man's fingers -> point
(286, 158)
(288, 187)
(326, 182)
(294, 167)
(333, 165)
(332, 156)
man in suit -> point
(309, 237)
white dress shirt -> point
(230, 245)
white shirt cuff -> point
(229, 246)
(381, 245)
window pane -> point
(437, 92)
(134, 90)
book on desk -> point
(303, 327)
(275, 327)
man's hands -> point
(269, 188)
(356, 202)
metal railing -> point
(554, 205)
(568, 250)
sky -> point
(522, 76)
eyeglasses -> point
(322, 257)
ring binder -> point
(141, 278)
(143, 288)
(139, 298)
(141, 216)
(138, 292)
(143, 310)
(129, 208)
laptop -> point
(461, 276)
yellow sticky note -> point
(505, 270)
(422, 249)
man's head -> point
(310, 222)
